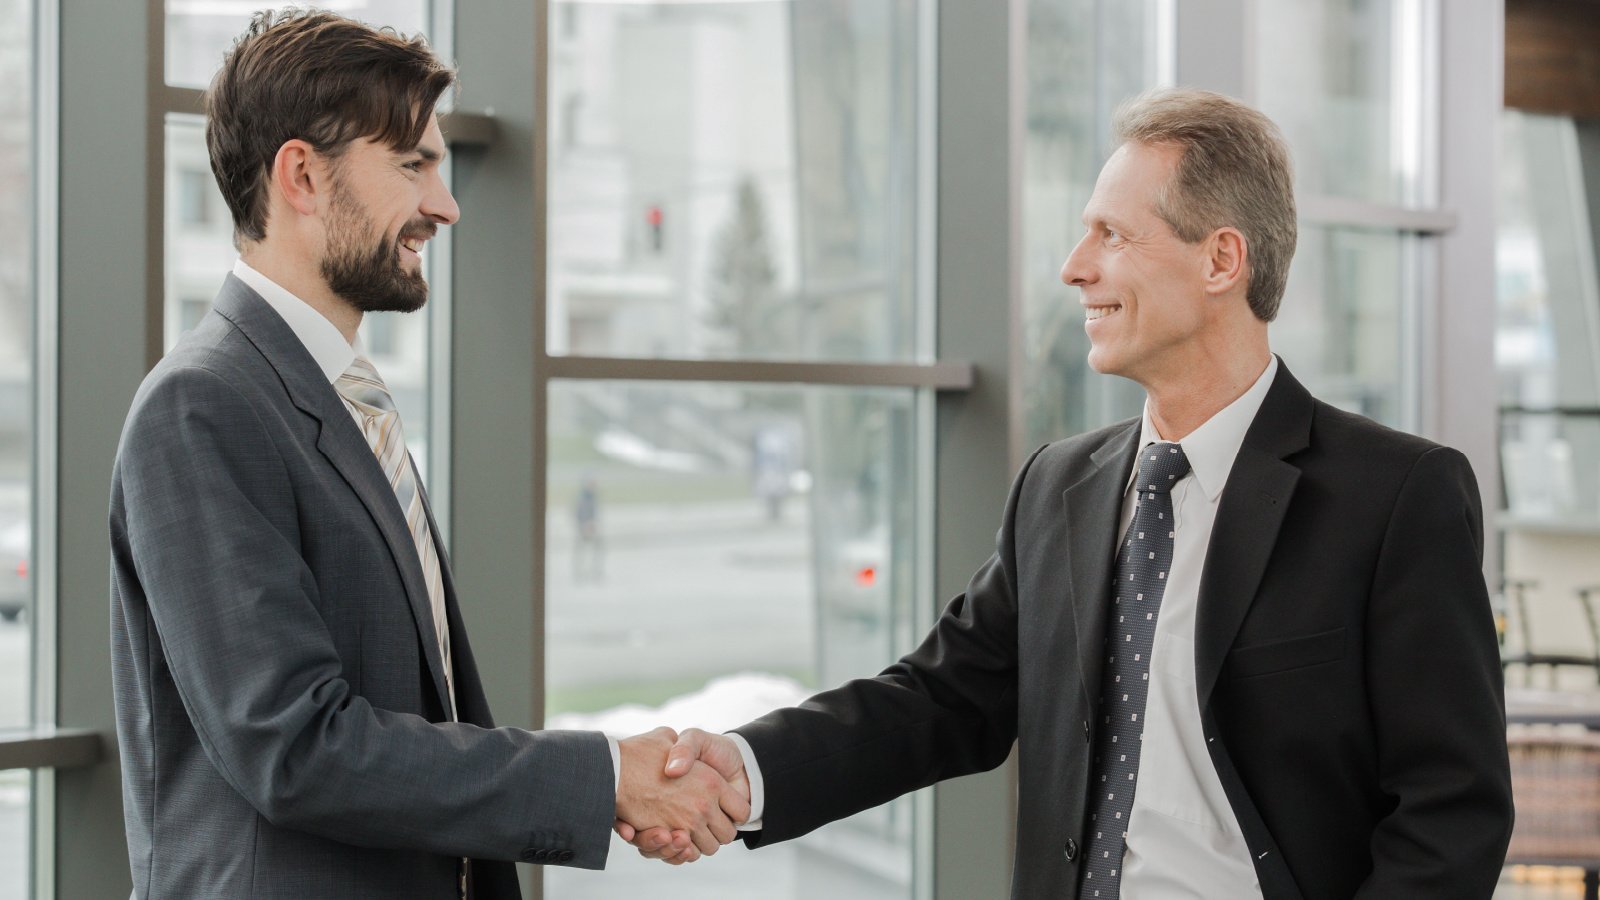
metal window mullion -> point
(46, 331)
(1337, 212)
(943, 376)
(50, 748)
(155, 178)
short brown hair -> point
(1234, 171)
(318, 77)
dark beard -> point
(371, 280)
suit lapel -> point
(1249, 516)
(1092, 507)
(341, 443)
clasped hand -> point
(680, 797)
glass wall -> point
(199, 230)
(18, 417)
(1344, 327)
(1353, 85)
(1085, 58)
(1547, 339)
(715, 551)
(733, 180)
(1341, 78)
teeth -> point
(1098, 312)
(412, 244)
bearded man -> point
(298, 710)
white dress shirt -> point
(1183, 839)
(333, 354)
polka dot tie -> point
(1143, 561)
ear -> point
(297, 176)
(1226, 261)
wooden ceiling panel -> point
(1553, 56)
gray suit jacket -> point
(280, 697)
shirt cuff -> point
(616, 763)
(752, 772)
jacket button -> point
(565, 856)
(1070, 851)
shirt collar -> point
(322, 339)
(1212, 447)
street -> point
(688, 592)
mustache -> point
(421, 228)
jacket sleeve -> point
(949, 708)
(206, 519)
(1436, 694)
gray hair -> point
(1234, 171)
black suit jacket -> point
(1347, 671)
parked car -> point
(16, 590)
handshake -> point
(680, 797)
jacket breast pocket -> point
(1286, 655)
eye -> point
(415, 165)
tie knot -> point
(1160, 467)
(361, 385)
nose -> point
(1079, 270)
(438, 205)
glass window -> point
(1547, 335)
(16, 840)
(778, 525)
(1085, 58)
(199, 249)
(1345, 81)
(733, 180)
(1353, 86)
(200, 254)
(195, 196)
(199, 32)
(18, 304)
(1343, 324)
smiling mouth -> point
(1091, 313)
(413, 244)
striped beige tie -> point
(369, 402)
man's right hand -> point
(696, 800)
(694, 749)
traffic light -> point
(653, 219)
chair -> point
(1514, 596)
